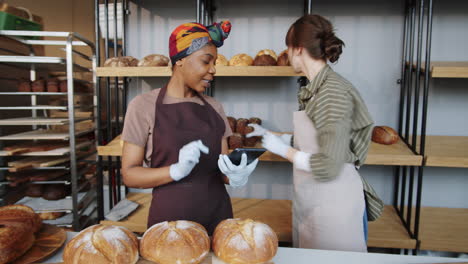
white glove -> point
(302, 161)
(238, 175)
(259, 131)
(286, 138)
(275, 144)
(189, 156)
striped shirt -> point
(343, 124)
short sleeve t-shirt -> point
(140, 118)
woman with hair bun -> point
(331, 138)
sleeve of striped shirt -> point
(331, 113)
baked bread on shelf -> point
(283, 59)
(269, 52)
(126, 61)
(238, 241)
(221, 61)
(154, 60)
(181, 242)
(18, 225)
(241, 60)
(384, 135)
(100, 244)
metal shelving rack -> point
(79, 203)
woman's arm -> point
(135, 175)
(224, 150)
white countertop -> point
(308, 256)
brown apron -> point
(201, 196)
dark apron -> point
(201, 196)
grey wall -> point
(372, 31)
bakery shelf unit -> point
(439, 229)
(392, 230)
(51, 150)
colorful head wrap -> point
(190, 37)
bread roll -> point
(241, 125)
(38, 86)
(34, 190)
(232, 123)
(53, 85)
(264, 60)
(24, 86)
(181, 242)
(267, 52)
(154, 60)
(283, 59)
(241, 60)
(384, 135)
(255, 120)
(238, 241)
(100, 244)
(221, 61)
(235, 141)
(55, 191)
(51, 215)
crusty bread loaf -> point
(267, 52)
(221, 61)
(238, 241)
(154, 60)
(264, 60)
(384, 135)
(232, 123)
(18, 223)
(126, 61)
(100, 244)
(235, 141)
(241, 124)
(181, 242)
(241, 60)
(283, 59)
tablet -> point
(252, 154)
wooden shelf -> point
(247, 71)
(42, 134)
(397, 154)
(386, 232)
(60, 151)
(444, 229)
(389, 232)
(448, 69)
(446, 151)
(26, 121)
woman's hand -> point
(238, 175)
(189, 156)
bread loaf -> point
(34, 190)
(384, 135)
(235, 141)
(53, 85)
(126, 61)
(264, 60)
(24, 86)
(38, 86)
(232, 123)
(241, 60)
(283, 59)
(100, 244)
(221, 61)
(255, 120)
(18, 223)
(267, 52)
(238, 241)
(154, 60)
(181, 242)
(241, 125)
(55, 191)
(51, 215)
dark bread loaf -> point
(384, 135)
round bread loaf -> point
(241, 60)
(267, 52)
(235, 141)
(283, 59)
(238, 241)
(384, 135)
(18, 223)
(34, 190)
(181, 242)
(126, 61)
(241, 125)
(100, 244)
(154, 60)
(264, 60)
(232, 123)
(221, 61)
(255, 120)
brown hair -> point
(317, 36)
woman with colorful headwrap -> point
(181, 135)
